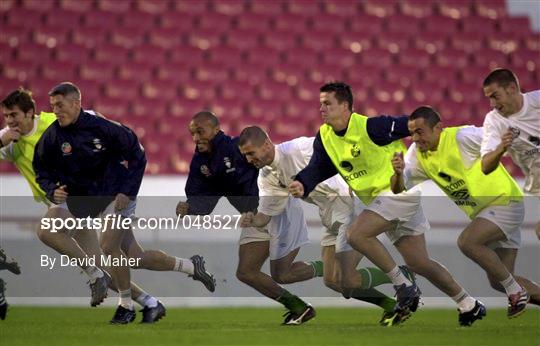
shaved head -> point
(206, 116)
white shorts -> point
(509, 219)
(336, 213)
(286, 231)
(404, 208)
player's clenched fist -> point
(246, 220)
(296, 189)
(397, 163)
(182, 209)
(507, 139)
(60, 194)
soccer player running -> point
(360, 150)
(91, 166)
(19, 139)
(451, 158)
(512, 126)
(218, 169)
(278, 165)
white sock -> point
(397, 277)
(184, 266)
(511, 286)
(144, 299)
(93, 273)
(125, 299)
(464, 301)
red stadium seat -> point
(413, 57)
(7, 85)
(441, 75)
(304, 8)
(140, 20)
(136, 71)
(229, 7)
(159, 90)
(177, 21)
(117, 88)
(356, 42)
(205, 39)
(389, 92)
(90, 90)
(280, 40)
(76, 5)
(376, 57)
(342, 9)
(184, 108)
(190, 8)
(267, 109)
(319, 40)
(470, 94)
(20, 70)
(527, 58)
(492, 59)
(50, 36)
(270, 90)
(306, 57)
(440, 24)
(403, 24)
(372, 108)
(70, 19)
(364, 24)
(274, 8)
(297, 109)
(111, 53)
(149, 52)
(72, 53)
(431, 42)
(167, 38)
(365, 76)
(243, 39)
(482, 25)
(494, 9)
(232, 110)
(7, 53)
(187, 55)
(153, 6)
(255, 22)
(43, 6)
(227, 56)
(504, 42)
(292, 74)
(150, 108)
(308, 91)
(89, 37)
(452, 57)
(286, 129)
(473, 74)
(15, 36)
(328, 24)
(326, 73)
(33, 18)
(103, 19)
(404, 75)
(119, 7)
(177, 73)
(455, 8)
(381, 8)
(417, 8)
(7, 5)
(518, 25)
(393, 42)
(58, 70)
(237, 90)
(96, 70)
(252, 73)
(214, 72)
(203, 90)
(264, 56)
(340, 56)
(532, 41)
(295, 23)
(29, 52)
(214, 21)
(468, 42)
(117, 109)
(127, 37)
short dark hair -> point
(207, 115)
(343, 92)
(253, 134)
(65, 89)
(501, 76)
(21, 98)
(427, 113)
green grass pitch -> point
(254, 326)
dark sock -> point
(373, 296)
(291, 302)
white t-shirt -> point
(525, 149)
(274, 180)
(469, 141)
